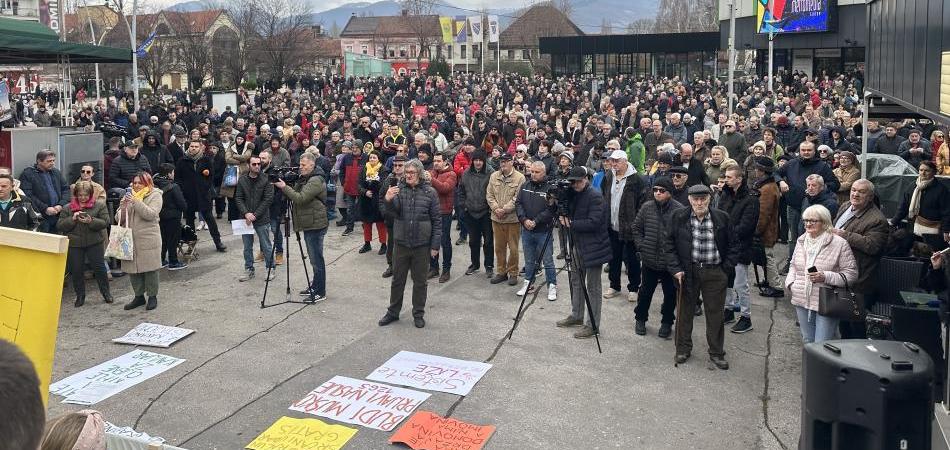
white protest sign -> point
(359, 402)
(432, 373)
(153, 335)
(112, 377)
(129, 432)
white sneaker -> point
(632, 297)
(611, 293)
(552, 292)
(524, 289)
(248, 275)
(270, 276)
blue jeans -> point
(737, 297)
(531, 242)
(446, 252)
(815, 327)
(314, 241)
(263, 234)
(350, 202)
(278, 234)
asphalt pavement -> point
(246, 365)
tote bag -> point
(120, 239)
(230, 176)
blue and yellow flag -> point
(146, 45)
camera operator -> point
(536, 213)
(417, 231)
(309, 214)
(587, 220)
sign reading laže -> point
(430, 372)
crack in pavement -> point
(242, 342)
(765, 389)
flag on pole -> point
(492, 28)
(476, 23)
(446, 24)
(461, 29)
(146, 45)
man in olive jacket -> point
(417, 235)
(309, 213)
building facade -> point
(408, 43)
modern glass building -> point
(685, 55)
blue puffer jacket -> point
(589, 220)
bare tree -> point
(282, 31)
(419, 20)
(641, 26)
(681, 16)
(157, 61)
(237, 63)
(194, 48)
(565, 6)
(605, 27)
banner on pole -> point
(493, 29)
(288, 433)
(475, 22)
(446, 24)
(364, 403)
(461, 30)
(430, 372)
(429, 431)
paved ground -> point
(246, 365)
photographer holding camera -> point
(586, 220)
(309, 196)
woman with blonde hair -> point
(717, 162)
(82, 430)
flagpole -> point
(481, 43)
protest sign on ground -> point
(364, 403)
(432, 373)
(288, 433)
(111, 377)
(429, 431)
(153, 335)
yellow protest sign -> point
(31, 289)
(288, 433)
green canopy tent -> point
(24, 42)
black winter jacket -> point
(590, 218)
(679, 243)
(173, 202)
(532, 204)
(19, 214)
(630, 200)
(794, 173)
(123, 169)
(195, 185)
(472, 191)
(33, 185)
(650, 232)
(742, 206)
(418, 221)
(254, 195)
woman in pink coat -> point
(835, 264)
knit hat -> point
(664, 182)
(665, 158)
(479, 154)
(764, 163)
(568, 154)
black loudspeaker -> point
(868, 395)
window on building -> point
(349, 48)
(462, 51)
(364, 49)
(392, 53)
(448, 51)
(402, 51)
(526, 54)
(511, 54)
(412, 51)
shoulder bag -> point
(841, 303)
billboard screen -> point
(795, 16)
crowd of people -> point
(652, 178)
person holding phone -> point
(83, 221)
(821, 258)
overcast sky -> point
(323, 5)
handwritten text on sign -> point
(112, 377)
(289, 433)
(359, 402)
(153, 335)
(430, 431)
(429, 372)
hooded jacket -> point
(155, 154)
(794, 173)
(19, 213)
(173, 202)
(636, 152)
(472, 191)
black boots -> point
(103, 283)
(80, 300)
(219, 246)
(152, 303)
(366, 247)
(382, 250)
(139, 300)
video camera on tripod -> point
(289, 174)
(560, 191)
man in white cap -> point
(623, 190)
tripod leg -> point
(583, 284)
(286, 237)
(273, 251)
(306, 272)
(547, 240)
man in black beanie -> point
(471, 198)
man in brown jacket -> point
(767, 227)
(863, 225)
(503, 187)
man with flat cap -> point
(701, 251)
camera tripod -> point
(303, 258)
(570, 258)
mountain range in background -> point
(589, 15)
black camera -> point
(111, 129)
(288, 174)
(560, 191)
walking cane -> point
(679, 316)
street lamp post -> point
(135, 59)
(732, 52)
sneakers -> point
(570, 321)
(461, 241)
(632, 297)
(665, 331)
(743, 325)
(718, 362)
(445, 277)
(640, 327)
(316, 297)
(279, 259)
(248, 275)
(366, 247)
(164, 264)
(470, 270)
(259, 257)
(489, 272)
(611, 293)
(348, 231)
(433, 273)
(728, 316)
(769, 291)
(271, 275)
(382, 249)
(524, 289)
(501, 277)
(584, 333)
(513, 280)
(388, 272)
(178, 265)
(552, 292)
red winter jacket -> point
(462, 160)
(444, 184)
